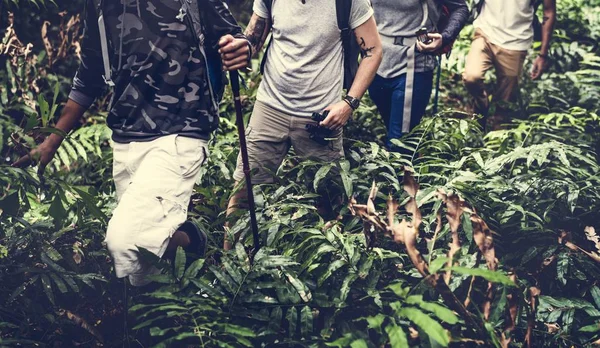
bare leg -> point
(235, 202)
(179, 239)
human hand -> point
(338, 116)
(42, 155)
(434, 45)
(235, 53)
(540, 65)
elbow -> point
(378, 55)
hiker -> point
(407, 61)
(504, 31)
(302, 75)
(163, 111)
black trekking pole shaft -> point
(437, 87)
(239, 118)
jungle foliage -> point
(473, 240)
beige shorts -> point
(154, 182)
(269, 136)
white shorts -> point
(154, 182)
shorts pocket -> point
(161, 208)
(191, 155)
(163, 217)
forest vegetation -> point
(506, 254)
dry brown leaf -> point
(410, 184)
(590, 233)
(504, 341)
(82, 323)
(371, 220)
(410, 240)
(47, 44)
(552, 327)
(371, 202)
(406, 233)
(77, 258)
(438, 229)
(411, 231)
(414, 334)
(468, 299)
(456, 207)
(454, 210)
(564, 238)
(394, 228)
(392, 209)
(482, 235)
(549, 260)
(534, 292)
(513, 307)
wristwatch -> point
(354, 103)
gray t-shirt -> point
(402, 19)
(304, 70)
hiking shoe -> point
(198, 239)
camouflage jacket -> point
(160, 75)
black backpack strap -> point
(103, 43)
(263, 62)
(269, 5)
(343, 10)
(349, 44)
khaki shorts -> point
(154, 182)
(269, 136)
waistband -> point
(399, 40)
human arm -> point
(459, 15)
(224, 34)
(88, 84)
(43, 154)
(541, 63)
(368, 38)
(256, 33)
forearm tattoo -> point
(256, 33)
(545, 20)
(365, 51)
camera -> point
(317, 132)
(423, 36)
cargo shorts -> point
(270, 135)
(154, 182)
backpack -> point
(442, 23)
(217, 80)
(349, 44)
(477, 6)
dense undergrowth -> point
(474, 240)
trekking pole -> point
(239, 118)
(437, 86)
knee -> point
(118, 241)
(472, 78)
(117, 244)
